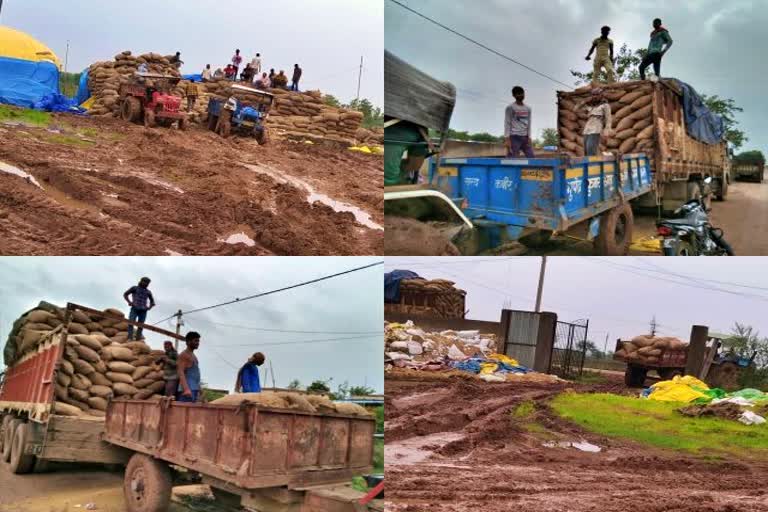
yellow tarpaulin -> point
(88, 104)
(504, 359)
(18, 45)
(679, 389)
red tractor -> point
(149, 98)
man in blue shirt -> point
(141, 301)
(248, 376)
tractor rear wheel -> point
(725, 376)
(22, 463)
(147, 484)
(130, 110)
(8, 434)
(634, 376)
(212, 122)
(149, 119)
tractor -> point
(244, 112)
(149, 97)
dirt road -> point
(111, 188)
(65, 489)
(455, 447)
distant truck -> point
(751, 172)
(679, 163)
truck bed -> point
(251, 447)
(542, 193)
(667, 359)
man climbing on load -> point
(189, 370)
(659, 45)
(598, 123)
(603, 57)
(248, 376)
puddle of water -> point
(581, 445)
(4, 167)
(412, 451)
(155, 181)
(313, 196)
(239, 238)
(172, 253)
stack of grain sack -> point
(295, 401)
(105, 78)
(632, 109)
(438, 297)
(647, 349)
(98, 363)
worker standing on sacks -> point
(603, 57)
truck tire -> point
(722, 192)
(8, 435)
(616, 228)
(537, 239)
(634, 376)
(22, 463)
(183, 124)
(147, 484)
(130, 110)
(263, 137)
(3, 425)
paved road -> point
(743, 217)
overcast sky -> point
(619, 296)
(717, 49)
(346, 304)
(325, 37)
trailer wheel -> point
(722, 193)
(226, 498)
(147, 484)
(634, 376)
(616, 228)
(22, 463)
(8, 434)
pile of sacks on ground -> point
(105, 78)
(738, 405)
(405, 343)
(632, 110)
(295, 401)
(647, 349)
(438, 297)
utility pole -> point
(66, 57)
(541, 283)
(272, 372)
(653, 326)
(179, 323)
(359, 77)
(605, 347)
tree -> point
(550, 137)
(591, 349)
(372, 116)
(319, 386)
(361, 391)
(331, 101)
(295, 384)
(754, 157)
(627, 66)
(746, 341)
(474, 137)
(727, 109)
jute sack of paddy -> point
(265, 398)
(321, 403)
(83, 367)
(40, 316)
(122, 388)
(30, 339)
(142, 383)
(117, 377)
(91, 341)
(100, 379)
(137, 347)
(61, 392)
(77, 328)
(140, 373)
(63, 379)
(79, 394)
(80, 405)
(351, 409)
(98, 403)
(87, 354)
(117, 352)
(628, 145)
(80, 317)
(121, 367)
(101, 391)
(65, 409)
(81, 382)
(37, 326)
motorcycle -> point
(691, 234)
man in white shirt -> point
(256, 64)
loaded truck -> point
(469, 205)
(260, 458)
(751, 172)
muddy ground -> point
(113, 188)
(453, 446)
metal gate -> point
(522, 336)
(570, 349)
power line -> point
(478, 43)
(302, 342)
(285, 288)
(251, 328)
(661, 270)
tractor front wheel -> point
(149, 119)
(130, 110)
(183, 124)
(212, 122)
(225, 124)
(262, 137)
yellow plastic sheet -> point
(502, 358)
(679, 389)
(488, 368)
(361, 149)
(20, 45)
(88, 104)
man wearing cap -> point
(140, 302)
(248, 376)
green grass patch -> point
(378, 455)
(588, 377)
(658, 424)
(359, 484)
(524, 410)
(23, 115)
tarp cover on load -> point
(701, 123)
(23, 82)
(195, 77)
(411, 95)
(83, 93)
(392, 284)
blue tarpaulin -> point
(23, 82)
(56, 102)
(701, 123)
(392, 283)
(83, 93)
(196, 77)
